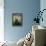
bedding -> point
(26, 41)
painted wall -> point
(28, 8)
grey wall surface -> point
(43, 6)
(28, 8)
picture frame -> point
(17, 19)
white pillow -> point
(21, 42)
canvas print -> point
(17, 19)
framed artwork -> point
(17, 19)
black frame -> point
(15, 20)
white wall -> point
(1, 20)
